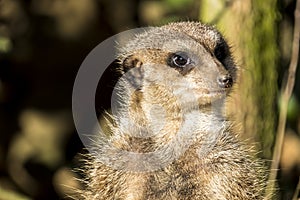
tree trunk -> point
(250, 27)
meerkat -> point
(170, 138)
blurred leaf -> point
(177, 4)
(10, 195)
(293, 108)
(5, 44)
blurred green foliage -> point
(5, 45)
(178, 4)
(10, 195)
(293, 108)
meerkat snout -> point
(225, 81)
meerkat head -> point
(187, 61)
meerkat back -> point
(170, 139)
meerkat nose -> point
(225, 81)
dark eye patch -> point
(221, 50)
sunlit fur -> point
(178, 117)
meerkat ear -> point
(131, 62)
(133, 70)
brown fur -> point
(214, 163)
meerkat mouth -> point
(200, 99)
(207, 99)
(211, 94)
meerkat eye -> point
(179, 59)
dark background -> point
(42, 45)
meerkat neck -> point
(165, 119)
